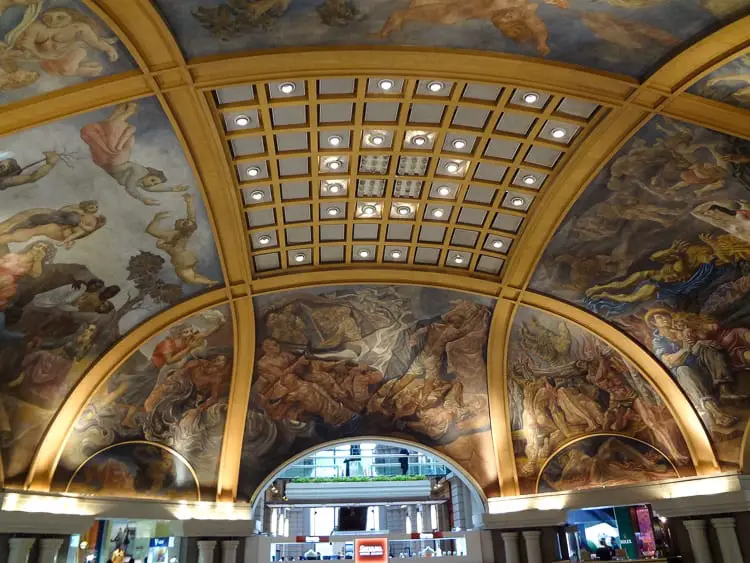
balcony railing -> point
(335, 465)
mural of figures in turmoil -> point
(50, 44)
(659, 245)
(390, 361)
(101, 226)
(604, 461)
(172, 392)
(729, 84)
(565, 383)
(136, 469)
(624, 36)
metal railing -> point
(368, 465)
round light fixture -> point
(299, 257)
(403, 210)
(452, 167)
(385, 84)
(529, 180)
(264, 240)
(334, 164)
(369, 209)
(257, 195)
(444, 191)
(334, 140)
(531, 97)
(335, 188)
(497, 244)
(332, 211)
(558, 133)
(287, 87)
(459, 144)
(458, 259)
(377, 139)
(517, 202)
(84, 544)
(253, 171)
(242, 120)
(395, 254)
(438, 213)
(435, 86)
(364, 253)
(419, 140)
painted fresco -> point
(604, 461)
(659, 245)
(101, 226)
(391, 361)
(729, 84)
(565, 383)
(625, 36)
(50, 44)
(136, 469)
(173, 392)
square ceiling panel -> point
(332, 232)
(458, 259)
(266, 262)
(463, 237)
(517, 201)
(334, 139)
(333, 164)
(384, 86)
(426, 113)
(473, 118)
(489, 264)
(396, 253)
(299, 257)
(470, 216)
(261, 218)
(365, 231)
(333, 211)
(435, 88)
(286, 89)
(530, 179)
(331, 254)
(263, 240)
(431, 233)
(502, 148)
(497, 243)
(407, 188)
(252, 171)
(286, 142)
(377, 139)
(295, 190)
(490, 172)
(529, 98)
(484, 92)
(419, 140)
(558, 131)
(437, 212)
(298, 235)
(245, 146)
(293, 167)
(480, 194)
(381, 112)
(257, 194)
(364, 253)
(459, 143)
(336, 86)
(425, 255)
(507, 223)
(335, 113)
(297, 213)
(398, 232)
(577, 108)
(241, 120)
(234, 94)
(370, 188)
(443, 190)
(413, 165)
(334, 187)
(515, 123)
(542, 156)
(289, 115)
(374, 164)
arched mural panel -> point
(101, 227)
(392, 361)
(565, 383)
(172, 392)
(52, 44)
(729, 84)
(659, 245)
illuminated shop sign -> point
(371, 550)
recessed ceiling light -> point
(377, 139)
(334, 140)
(333, 211)
(253, 171)
(264, 240)
(438, 212)
(558, 133)
(459, 144)
(334, 164)
(458, 259)
(497, 244)
(529, 180)
(369, 209)
(242, 120)
(385, 84)
(335, 188)
(403, 210)
(257, 195)
(364, 253)
(517, 202)
(435, 86)
(395, 254)
(299, 257)
(531, 97)
(419, 140)
(444, 191)
(287, 87)
(452, 167)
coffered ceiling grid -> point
(438, 174)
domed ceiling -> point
(512, 232)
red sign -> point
(371, 550)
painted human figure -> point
(111, 142)
(12, 175)
(175, 243)
(64, 226)
(16, 265)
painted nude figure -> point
(174, 242)
(12, 175)
(65, 225)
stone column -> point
(19, 549)
(510, 543)
(698, 540)
(229, 551)
(48, 549)
(728, 542)
(532, 538)
(206, 551)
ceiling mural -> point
(101, 226)
(172, 392)
(729, 84)
(604, 461)
(565, 383)
(659, 245)
(391, 361)
(51, 44)
(136, 469)
(623, 36)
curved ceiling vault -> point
(232, 230)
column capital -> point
(532, 534)
(206, 544)
(694, 524)
(725, 522)
(51, 542)
(21, 542)
(228, 545)
(509, 536)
